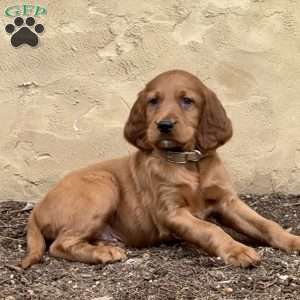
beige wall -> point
(64, 103)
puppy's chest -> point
(164, 184)
(182, 187)
(182, 178)
(178, 182)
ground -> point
(167, 272)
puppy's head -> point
(176, 111)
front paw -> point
(240, 255)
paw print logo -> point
(25, 33)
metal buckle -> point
(194, 155)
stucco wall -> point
(63, 104)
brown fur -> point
(142, 199)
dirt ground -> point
(166, 272)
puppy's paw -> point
(240, 255)
(118, 254)
(292, 243)
(110, 254)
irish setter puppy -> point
(165, 190)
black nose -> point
(165, 126)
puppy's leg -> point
(72, 247)
(236, 214)
(210, 238)
(90, 208)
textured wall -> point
(64, 103)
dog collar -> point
(183, 157)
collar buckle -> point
(193, 156)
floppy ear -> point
(215, 128)
(136, 125)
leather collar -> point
(183, 157)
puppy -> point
(165, 190)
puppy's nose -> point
(165, 126)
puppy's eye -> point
(186, 102)
(153, 101)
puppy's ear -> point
(215, 128)
(135, 130)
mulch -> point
(173, 271)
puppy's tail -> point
(35, 244)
